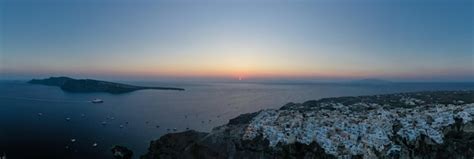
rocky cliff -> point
(407, 125)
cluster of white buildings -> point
(342, 132)
(411, 101)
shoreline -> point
(273, 133)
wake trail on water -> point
(46, 100)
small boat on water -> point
(97, 100)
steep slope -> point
(408, 125)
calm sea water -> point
(134, 119)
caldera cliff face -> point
(408, 125)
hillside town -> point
(431, 124)
(361, 128)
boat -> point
(97, 101)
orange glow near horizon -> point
(243, 40)
(236, 74)
(255, 73)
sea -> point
(38, 121)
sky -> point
(397, 40)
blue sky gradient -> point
(395, 40)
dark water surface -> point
(25, 134)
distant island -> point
(89, 85)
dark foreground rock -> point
(425, 125)
(90, 85)
(121, 152)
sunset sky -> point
(262, 39)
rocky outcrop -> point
(182, 144)
(121, 152)
(458, 144)
(408, 125)
(89, 85)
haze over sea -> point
(33, 117)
